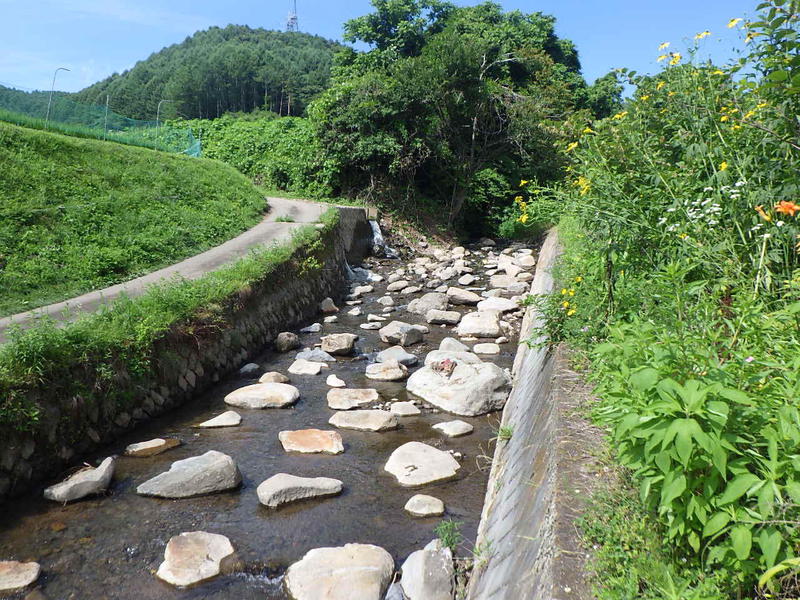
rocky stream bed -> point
(318, 472)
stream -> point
(108, 547)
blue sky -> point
(95, 38)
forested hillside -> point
(222, 70)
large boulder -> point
(339, 344)
(415, 463)
(443, 317)
(437, 356)
(195, 556)
(349, 572)
(389, 370)
(311, 441)
(346, 399)
(284, 488)
(364, 420)
(463, 389)
(428, 574)
(286, 341)
(481, 324)
(399, 354)
(196, 476)
(16, 576)
(400, 333)
(462, 297)
(273, 377)
(86, 482)
(263, 395)
(427, 302)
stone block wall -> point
(187, 361)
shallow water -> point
(109, 547)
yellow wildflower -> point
(572, 292)
(563, 291)
(676, 58)
(718, 72)
(584, 185)
(664, 46)
(760, 210)
(702, 34)
(518, 199)
(671, 94)
(572, 146)
(578, 279)
(660, 85)
(736, 127)
(734, 22)
(645, 98)
(723, 166)
(620, 115)
(660, 58)
(524, 218)
(523, 183)
(570, 312)
(565, 304)
(683, 236)
(751, 35)
(749, 114)
(724, 118)
(762, 104)
(588, 130)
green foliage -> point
(120, 338)
(281, 153)
(221, 70)
(449, 532)
(448, 100)
(79, 215)
(680, 280)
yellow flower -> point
(660, 58)
(518, 199)
(620, 115)
(523, 183)
(572, 146)
(571, 292)
(718, 72)
(660, 85)
(724, 118)
(565, 304)
(570, 312)
(676, 58)
(584, 185)
(564, 291)
(578, 279)
(751, 35)
(671, 94)
(702, 35)
(723, 166)
(734, 22)
(762, 104)
(524, 218)
(664, 46)
(736, 127)
(749, 114)
(683, 236)
(588, 130)
(645, 98)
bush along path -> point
(285, 217)
(680, 285)
(318, 470)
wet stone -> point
(86, 482)
(399, 354)
(404, 409)
(195, 556)
(347, 399)
(227, 419)
(284, 488)
(415, 463)
(364, 420)
(389, 370)
(196, 476)
(286, 341)
(335, 382)
(152, 447)
(263, 395)
(306, 367)
(16, 576)
(311, 441)
(422, 505)
(455, 428)
(273, 377)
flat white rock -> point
(302, 366)
(349, 572)
(284, 488)
(195, 556)
(487, 348)
(423, 505)
(404, 409)
(152, 447)
(334, 382)
(499, 304)
(16, 576)
(455, 428)
(364, 420)
(346, 399)
(389, 370)
(481, 324)
(415, 463)
(263, 395)
(311, 441)
(227, 419)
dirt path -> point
(269, 230)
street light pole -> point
(50, 100)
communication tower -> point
(291, 20)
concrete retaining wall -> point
(518, 529)
(185, 362)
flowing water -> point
(109, 547)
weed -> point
(285, 219)
(449, 532)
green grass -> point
(81, 214)
(87, 358)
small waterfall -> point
(379, 247)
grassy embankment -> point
(80, 214)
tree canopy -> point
(221, 70)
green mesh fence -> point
(29, 108)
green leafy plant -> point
(449, 532)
